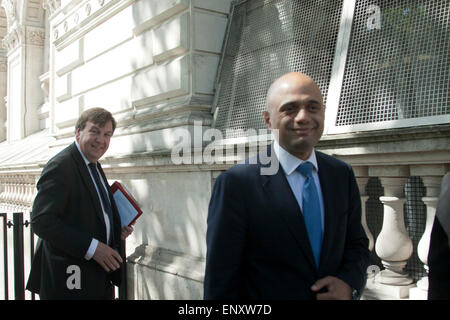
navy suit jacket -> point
(257, 243)
(66, 215)
(439, 254)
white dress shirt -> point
(94, 242)
(295, 179)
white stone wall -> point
(167, 249)
(146, 61)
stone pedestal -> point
(376, 291)
(393, 245)
(432, 184)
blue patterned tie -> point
(311, 209)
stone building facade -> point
(168, 67)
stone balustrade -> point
(17, 192)
(393, 244)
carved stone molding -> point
(35, 36)
(14, 38)
(83, 14)
(24, 35)
(51, 5)
(10, 10)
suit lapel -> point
(328, 191)
(87, 180)
(285, 205)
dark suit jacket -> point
(257, 243)
(439, 254)
(66, 215)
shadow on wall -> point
(167, 249)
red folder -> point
(127, 206)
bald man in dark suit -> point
(292, 233)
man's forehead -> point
(297, 94)
(294, 83)
(92, 125)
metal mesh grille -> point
(400, 70)
(374, 214)
(266, 40)
(415, 216)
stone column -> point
(3, 70)
(24, 44)
(393, 244)
(431, 178)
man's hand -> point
(334, 289)
(108, 258)
(126, 231)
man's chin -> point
(97, 155)
(300, 147)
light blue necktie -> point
(311, 209)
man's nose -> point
(302, 115)
(100, 138)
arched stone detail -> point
(23, 43)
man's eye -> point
(289, 108)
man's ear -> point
(266, 115)
(77, 133)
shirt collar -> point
(289, 162)
(81, 152)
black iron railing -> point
(18, 228)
